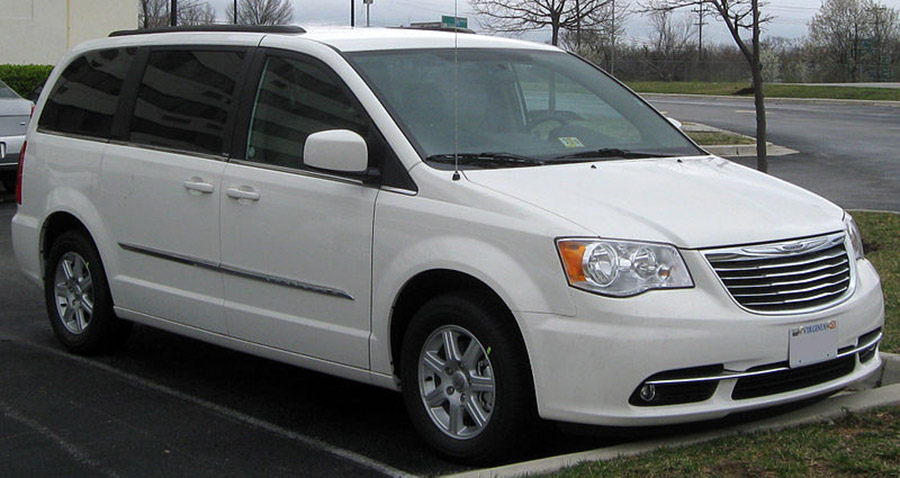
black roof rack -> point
(283, 29)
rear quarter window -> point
(85, 97)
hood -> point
(688, 202)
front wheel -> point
(78, 299)
(466, 379)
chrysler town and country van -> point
(496, 228)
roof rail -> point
(230, 28)
(437, 28)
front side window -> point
(297, 97)
(507, 107)
(186, 100)
(86, 95)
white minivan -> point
(497, 228)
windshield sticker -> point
(571, 142)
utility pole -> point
(612, 31)
(701, 10)
(352, 13)
(880, 73)
(173, 14)
(235, 12)
(368, 4)
(578, 27)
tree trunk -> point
(762, 163)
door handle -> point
(243, 192)
(199, 185)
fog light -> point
(648, 392)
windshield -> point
(544, 105)
(7, 92)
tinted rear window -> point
(86, 95)
(7, 92)
(186, 99)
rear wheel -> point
(78, 298)
(466, 379)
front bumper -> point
(589, 368)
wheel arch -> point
(429, 284)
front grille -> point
(787, 276)
(793, 379)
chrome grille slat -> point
(785, 277)
(794, 291)
(835, 255)
(785, 274)
(788, 283)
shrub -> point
(23, 78)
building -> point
(41, 31)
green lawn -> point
(862, 445)
(709, 138)
(773, 91)
(858, 445)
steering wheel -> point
(536, 123)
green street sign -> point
(449, 21)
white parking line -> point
(227, 412)
(70, 449)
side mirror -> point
(337, 150)
(675, 122)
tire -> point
(489, 386)
(78, 300)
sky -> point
(790, 16)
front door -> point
(296, 243)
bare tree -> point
(672, 41)
(195, 12)
(847, 34)
(155, 13)
(596, 42)
(517, 16)
(739, 16)
(262, 12)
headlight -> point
(854, 236)
(622, 268)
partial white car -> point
(497, 228)
(15, 112)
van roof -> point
(341, 38)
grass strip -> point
(881, 241)
(771, 90)
(708, 138)
(865, 445)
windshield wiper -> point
(486, 160)
(611, 153)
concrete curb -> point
(772, 100)
(733, 150)
(890, 372)
(824, 411)
(743, 150)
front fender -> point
(505, 252)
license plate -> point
(813, 343)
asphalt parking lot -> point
(166, 405)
